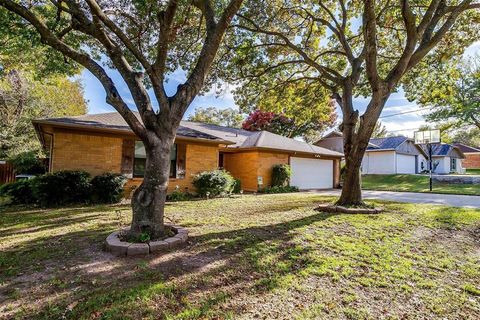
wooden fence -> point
(7, 174)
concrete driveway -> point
(414, 197)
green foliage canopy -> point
(228, 117)
(452, 92)
(23, 98)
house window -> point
(140, 160)
(453, 164)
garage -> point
(310, 173)
(406, 164)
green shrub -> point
(178, 195)
(19, 192)
(281, 174)
(62, 187)
(107, 188)
(279, 189)
(213, 183)
(27, 163)
(237, 186)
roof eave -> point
(38, 123)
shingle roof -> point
(333, 134)
(236, 138)
(465, 148)
(388, 143)
(442, 150)
(265, 139)
(113, 120)
(235, 135)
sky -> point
(404, 124)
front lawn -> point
(414, 183)
(264, 256)
(473, 172)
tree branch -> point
(49, 38)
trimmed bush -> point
(27, 163)
(213, 183)
(237, 186)
(281, 174)
(19, 192)
(279, 189)
(107, 188)
(62, 187)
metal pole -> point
(431, 165)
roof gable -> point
(444, 150)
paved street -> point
(413, 197)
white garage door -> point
(405, 164)
(311, 173)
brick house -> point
(472, 156)
(104, 143)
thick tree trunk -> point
(356, 137)
(351, 188)
(149, 198)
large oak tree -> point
(351, 48)
(144, 41)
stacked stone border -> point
(122, 248)
(340, 209)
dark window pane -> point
(140, 159)
(139, 167)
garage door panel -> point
(405, 164)
(311, 173)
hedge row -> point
(65, 187)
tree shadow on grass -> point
(214, 266)
(228, 258)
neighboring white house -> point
(400, 155)
(447, 159)
(392, 155)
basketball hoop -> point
(428, 137)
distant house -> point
(392, 155)
(400, 155)
(105, 143)
(447, 158)
(472, 156)
(332, 141)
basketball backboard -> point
(427, 136)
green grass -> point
(264, 256)
(473, 171)
(415, 183)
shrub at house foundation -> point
(214, 183)
(62, 187)
(107, 188)
(281, 174)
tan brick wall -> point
(198, 158)
(243, 166)
(93, 153)
(266, 161)
(471, 161)
(248, 166)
